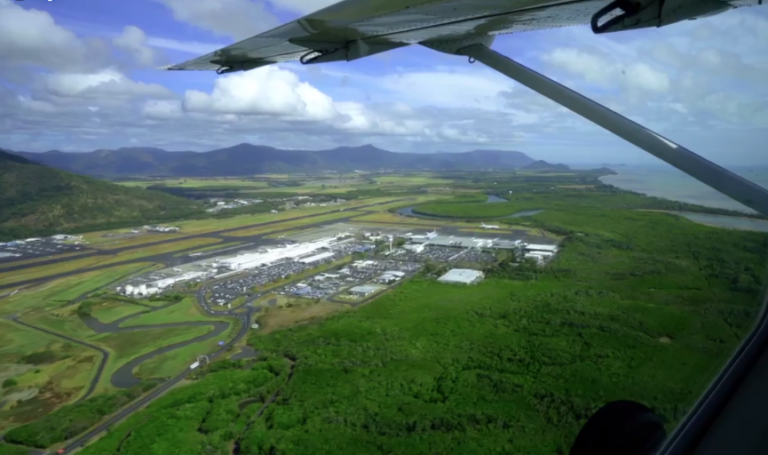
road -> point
(155, 393)
(102, 363)
(171, 258)
(113, 327)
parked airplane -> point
(488, 226)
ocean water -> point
(672, 184)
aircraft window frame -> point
(685, 438)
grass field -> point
(140, 252)
(125, 346)
(54, 294)
(171, 363)
(424, 179)
(184, 311)
(47, 372)
(292, 311)
(50, 269)
(12, 265)
(112, 310)
(289, 225)
(98, 241)
(216, 247)
(212, 183)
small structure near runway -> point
(462, 276)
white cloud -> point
(32, 37)
(596, 68)
(106, 83)
(266, 91)
(238, 19)
(303, 6)
(36, 105)
(134, 41)
(688, 81)
(162, 109)
(191, 47)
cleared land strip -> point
(207, 234)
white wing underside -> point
(382, 25)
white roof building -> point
(462, 276)
(416, 248)
(317, 257)
(253, 260)
(363, 290)
(541, 247)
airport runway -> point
(8, 265)
(171, 258)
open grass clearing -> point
(215, 247)
(48, 373)
(54, 294)
(7, 266)
(172, 363)
(288, 225)
(125, 346)
(163, 248)
(110, 243)
(185, 311)
(112, 310)
(293, 311)
(202, 183)
(43, 271)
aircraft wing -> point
(352, 29)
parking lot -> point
(38, 248)
(446, 255)
(226, 291)
(327, 284)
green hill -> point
(38, 200)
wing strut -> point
(707, 172)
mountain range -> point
(38, 200)
(248, 159)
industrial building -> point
(316, 257)
(462, 276)
(363, 291)
(272, 255)
(465, 242)
(154, 287)
(390, 276)
(539, 252)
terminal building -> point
(270, 256)
(462, 276)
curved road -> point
(158, 391)
(123, 377)
(102, 363)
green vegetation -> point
(186, 310)
(233, 397)
(638, 305)
(39, 200)
(72, 420)
(39, 373)
(55, 294)
(7, 449)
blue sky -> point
(80, 75)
